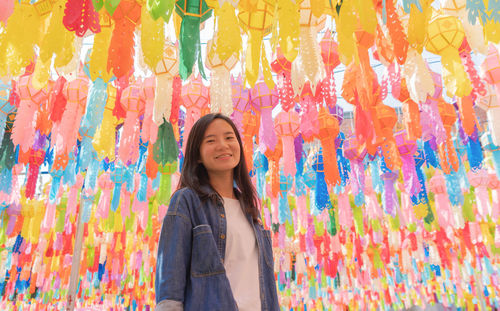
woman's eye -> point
(230, 137)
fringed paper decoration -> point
(286, 183)
(282, 67)
(443, 208)
(478, 87)
(99, 55)
(149, 131)
(23, 132)
(121, 48)
(263, 100)
(322, 199)
(447, 154)
(152, 37)
(411, 113)
(6, 106)
(165, 72)
(106, 185)
(165, 153)
(220, 80)
(388, 118)
(80, 17)
(430, 111)
(133, 102)
(21, 34)
(104, 138)
(309, 59)
(65, 133)
(257, 21)
(37, 156)
(445, 35)
(331, 60)
(287, 127)
(480, 179)
(91, 120)
(260, 167)
(195, 98)
(118, 177)
(420, 14)
(193, 13)
(494, 185)
(407, 149)
(241, 101)
(251, 125)
(396, 32)
(356, 153)
(328, 129)
(417, 76)
(6, 9)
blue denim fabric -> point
(191, 251)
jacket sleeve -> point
(174, 255)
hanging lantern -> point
(251, 124)
(328, 131)
(444, 37)
(407, 149)
(193, 13)
(220, 88)
(387, 117)
(331, 60)
(287, 127)
(149, 131)
(411, 113)
(165, 72)
(356, 153)
(447, 153)
(6, 107)
(282, 67)
(133, 102)
(23, 132)
(104, 138)
(256, 20)
(80, 17)
(241, 101)
(194, 99)
(490, 103)
(65, 133)
(480, 180)
(263, 100)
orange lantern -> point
(387, 117)
(250, 130)
(447, 153)
(328, 131)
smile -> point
(224, 155)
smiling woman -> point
(214, 253)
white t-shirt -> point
(241, 259)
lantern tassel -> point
(190, 47)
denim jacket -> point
(190, 271)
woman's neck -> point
(223, 184)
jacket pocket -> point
(267, 248)
(205, 258)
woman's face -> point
(220, 149)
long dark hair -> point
(195, 176)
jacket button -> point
(222, 236)
(222, 215)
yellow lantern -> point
(165, 71)
(445, 35)
(256, 21)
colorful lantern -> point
(282, 67)
(263, 100)
(133, 102)
(256, 20)
(447, 154)
(149, 131)
(251, 124)
(491, 72)
(241, 101)
(104, 140)
(193, 13)
(328, 130)
(195, 98)
(331, 60)
(287, 127)
(444, 37)
(220, 88)
(80, 17)
(165, 72)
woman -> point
(214, 253)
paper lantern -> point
(98, 61)
(407, 149)
(6, 106)
(23, 132)
(263, 100)
(287, 127)
(193, 13)
(387, 117)
(152, 35)
(282, 67)
(134, 104)
(103, 142)
(149, 131)
(165, 72)
(447, 154)
(494, 185)
(480, 180)
(331, 60)
(65, 133)
(491, 71)
(328, 130)
(251, 124)
(241, 101)
(220, 87)
(256, 21)
(195, 98)
(444, 37)
(490, 103)
(356, 152)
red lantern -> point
(328, 131)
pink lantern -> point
(331, 60)
(480, 180)
(282, 67)
(195, 98)
(437, 184)
(133, 102)
(23, 132)
(287, 126)
(263, 101)
(149, 127)
(241, 101)
(65, 133)
(356, 153)
(407, 149)
(494, 185)
(491, 71)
